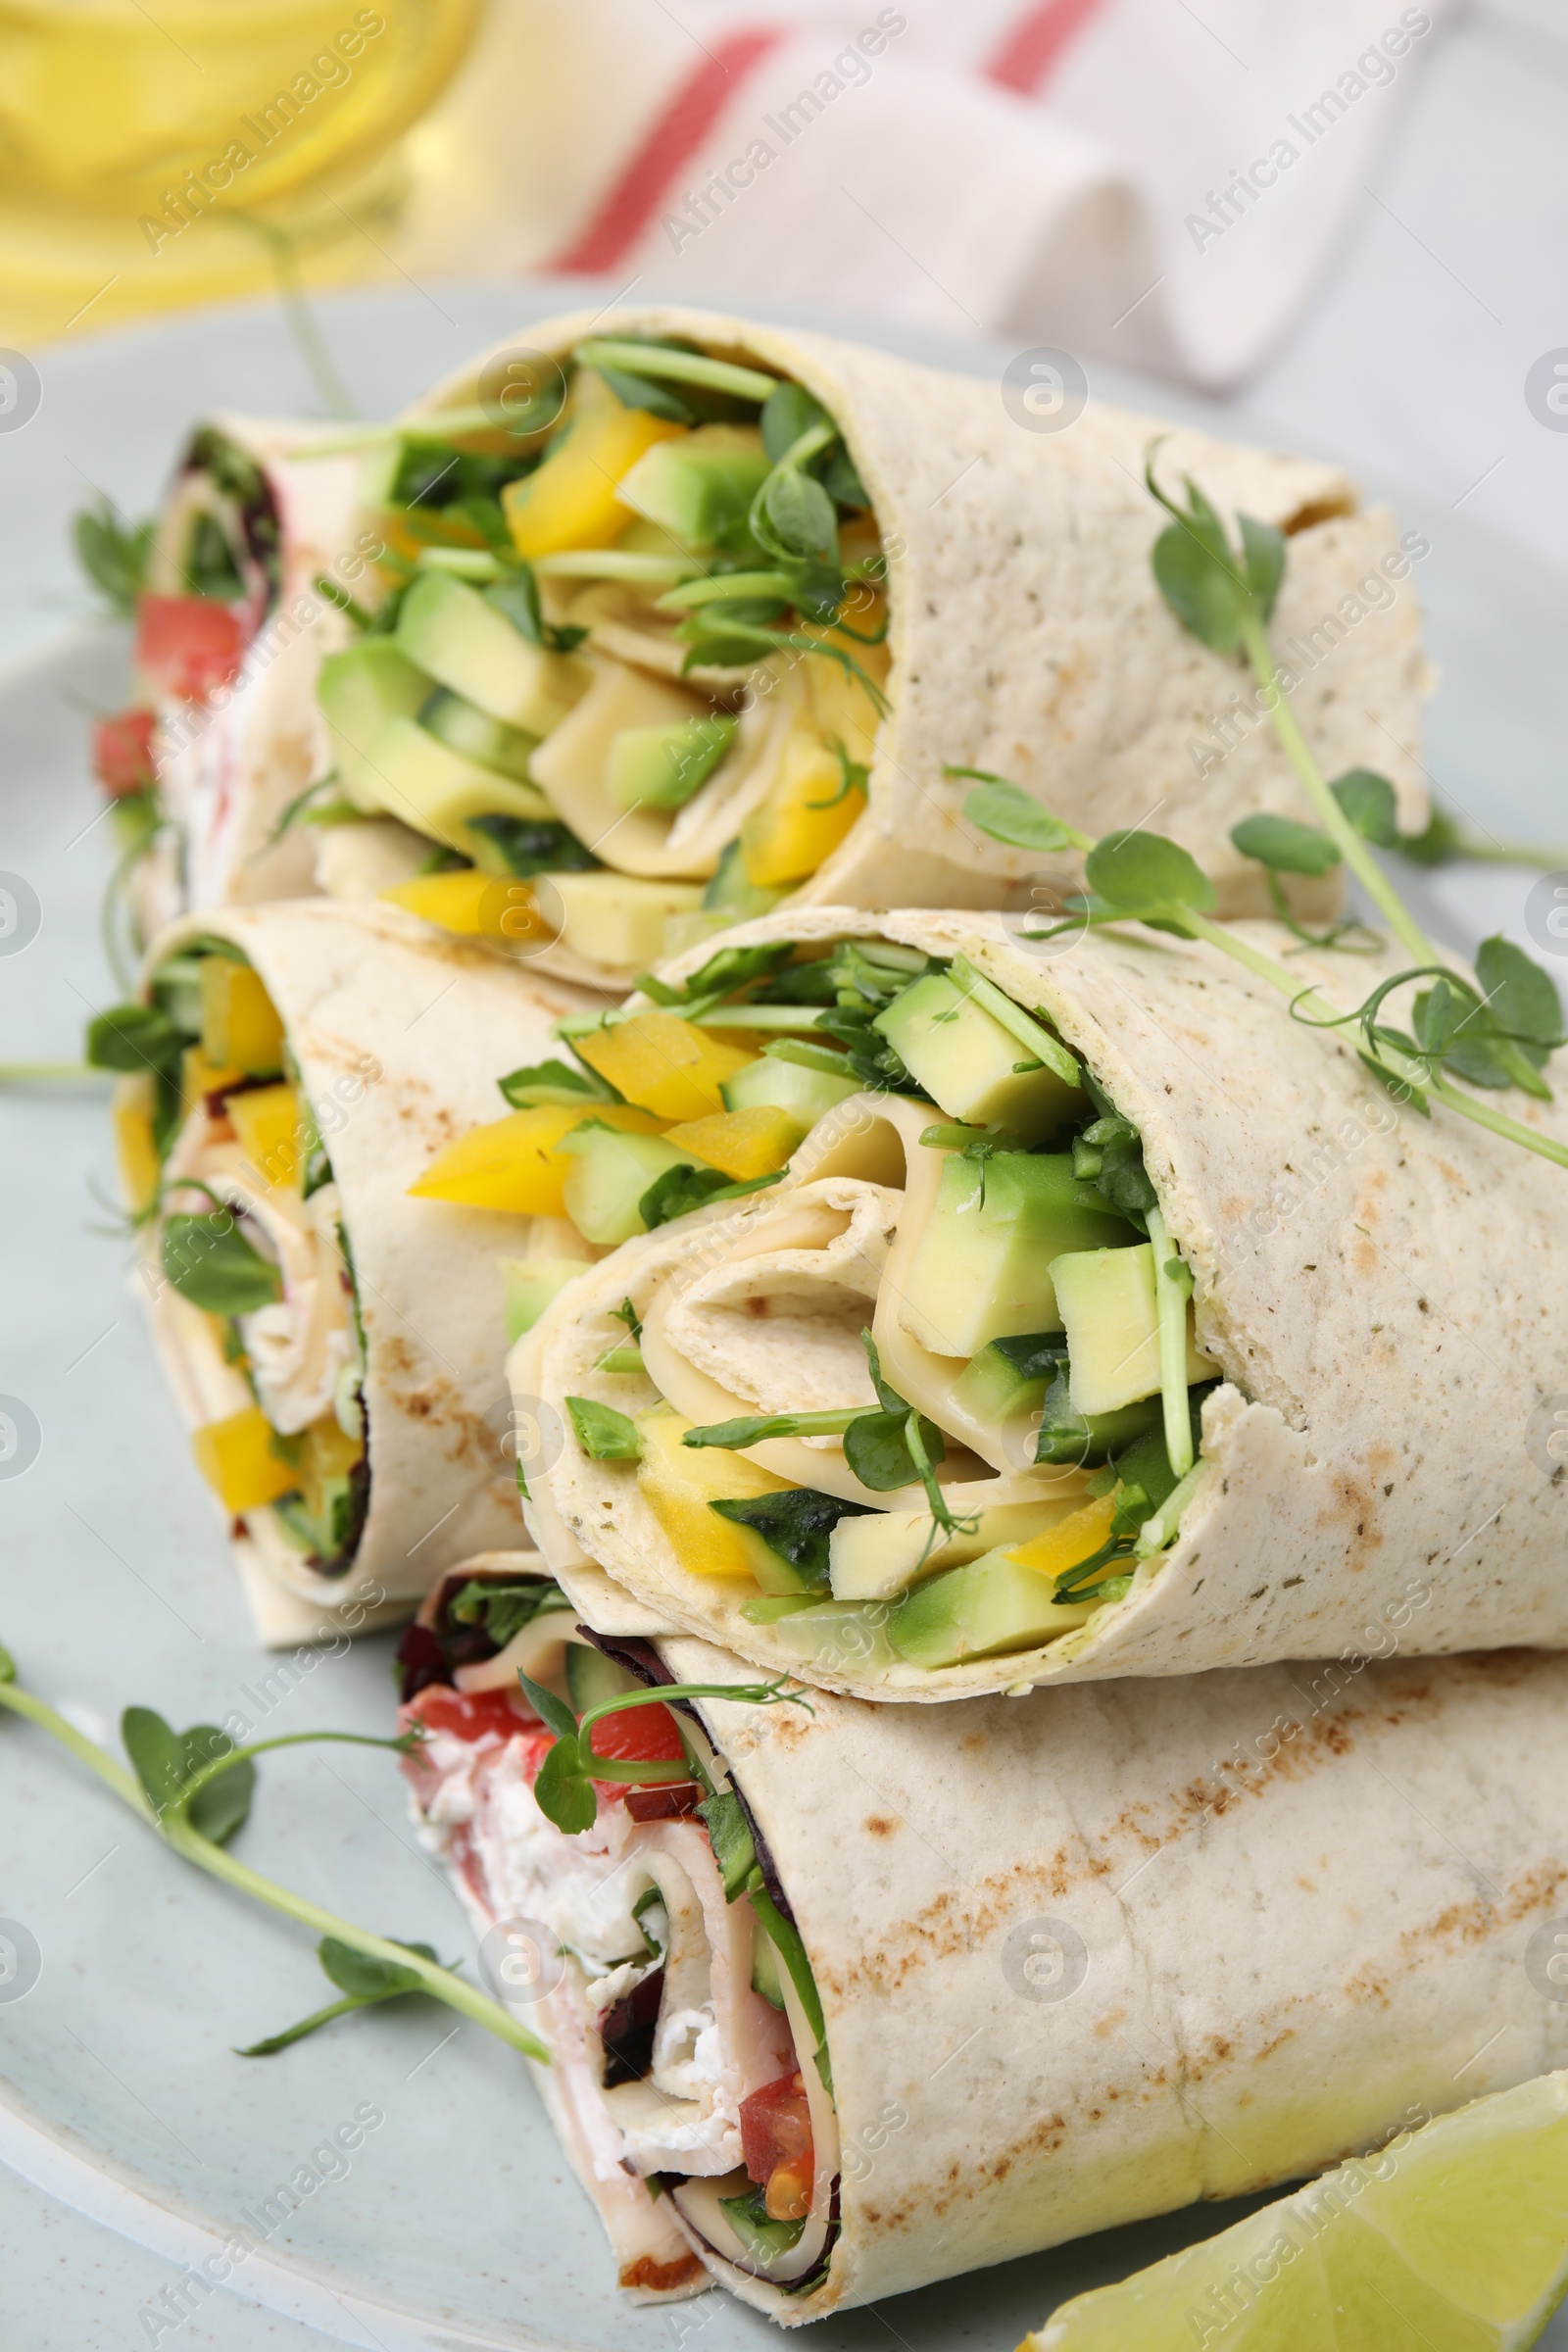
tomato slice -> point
(639, 1736)
(776, 2127)
(188, 645)
(123, 752)
(470, 1714)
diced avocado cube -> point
(528, 1284)
(981, 1270)
(358, 689)
(733, 894)
(1082, 1440)
(450, 631)
(699, 487)
(435, 790)
(961, 1056)
(467, 729)
(661, 767)
(1107, 1299)
(1010, 1376)
(807, 1095)
(983, 1611)
(609, 1173)
(620, 920)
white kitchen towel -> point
(1153, 182)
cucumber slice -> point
(768, 1976)
(477, 735)
(609, 1173)
(1010, 1376)
(980, 1611)
(1087, 1439)
(769, 1082)
(734, 894)
(592, 1677)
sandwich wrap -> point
(334, 1348)
(1103, 1953)
(1025, 630)
(1373, 1360)
(232, 628)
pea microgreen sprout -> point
(193, 1789)
(565, 1789)
(1499, 1034)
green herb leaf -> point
(165, 1760)
(212, 1264)
(876, 1448)
(1007, 813)
(1138, 871)
(786, 415)
(800, 514)
(551, 1082)
(1280, 842)
(1263, 548)
(1368, 801)
(113, 555)
(135, 1037)
(730, 1837)
(552, 1712)
(753, 1429)
(1520, 994)
(677, 1191)
(564, 1791)
(500, 1610)
(534, 845)
(366, 1978)
(604, 1435)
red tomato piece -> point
(188, 645)
(776, 2127)
(468, 1713)
(123, 752)
(639, 1736)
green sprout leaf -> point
(1007, 813)
(604, 1435)
(212, 1264)
(1284, 846)
(1138, 871)
(1368, 801)
(362, 1980)
(113, 555)
(551, 1082)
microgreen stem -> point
(677, 367)
(1350, 845)
(1498, 1121)
(1170, 1301)
(616, 563)
(258, 1747)
(26, 1073)
(175, 1830)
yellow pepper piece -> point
(743, 1143)
(326, 1450)
(476, 906)
(135, 1151)
(513, 1163)
(240, 1027)
(1070, 1540)
(678, 1483)
(236, 1458)
(272, 1129)
(569, 501)
(841, 709)
(669, 1065)
(199, 1076)
(803, 819)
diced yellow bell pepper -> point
(743, 1143)
(240, 1027)
(131, 1112)
(199, 1076)
(841, 709)
(475, 905)
(1071, 1539)
(678, 1483)
(325, 1451)
(272, 1131)
(235, 1457)
(803, 819)
(569, 501)
(513, 1163)
(669, 1065)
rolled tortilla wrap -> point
(1105, 1953)
(334, 1348)
(233, 631)
(1024, 633)
(1369, 1363)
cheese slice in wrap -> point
(334, 1348)
(775, 582)
(1122, 1325)
(1101, 1954)
(232, 628)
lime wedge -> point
(1452, 2238)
